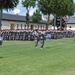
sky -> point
(20, 10)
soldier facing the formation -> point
(1, 40)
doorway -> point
(12, 26)
(32, 27)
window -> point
(21, 26)
(35, 27)
(41, 26)
(70, 27)
(38, 26)
(17, 26)
(24, 26)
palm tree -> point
(7, 4)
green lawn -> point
(22, 58)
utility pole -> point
(0, 18)
(54, 21)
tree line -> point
(59, 8)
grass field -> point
(22, 58)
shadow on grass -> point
(1, 57)
(48, 47)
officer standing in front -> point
(36, 37)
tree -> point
(58, 23)
(27, 18)
(57, 8)
(63, 8)
(36, 16)
(7, 4)
(28, 4)
(45, 8)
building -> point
(71, 23)
(17, 22)
(13, 22)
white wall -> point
(70, 26)
(6, 25)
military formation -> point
(23, 36)
(17, 35)
(34, 35)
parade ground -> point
(22, 58)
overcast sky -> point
(20, 10)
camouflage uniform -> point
(1, 40)
(42, 38)
(74, 36)
(36, 38)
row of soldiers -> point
(23, 35)
(17, 35)
(28, 35)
